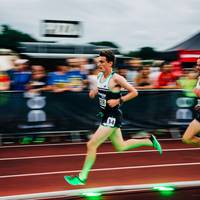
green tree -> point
(135, 54)
(10, 38)
(147, 53)
(144, 53)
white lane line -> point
(103, 190)
(100, 153)
(66, 144)
(101, 169)
(40, 145)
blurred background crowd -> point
(80, 73)
(30, 65)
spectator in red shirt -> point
(166, 79)
(177, 69)
(4, 81)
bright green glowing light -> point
(163, 188)
(91, 194)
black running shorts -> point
(113, 120)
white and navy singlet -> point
(112, 117)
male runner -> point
(109, 85)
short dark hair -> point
(110, 56)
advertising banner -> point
(27, 113)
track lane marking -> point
(100, 153)
(101, 169)
(69, 144)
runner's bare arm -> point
(93, 93)
(122, 82)
(132, 92)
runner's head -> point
(106, 60)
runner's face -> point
(103, 64)
(198, 65)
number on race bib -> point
(102, 102)
(110, 121)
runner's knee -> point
(119, 148)
(91, 145)
(186, 139)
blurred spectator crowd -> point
(78, 74)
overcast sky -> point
(131, 24)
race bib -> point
(110, 121)
(102, 102)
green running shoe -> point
(74, 180)
(156, 144)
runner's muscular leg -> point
(121, 145)
(101, 134)
(192, 130)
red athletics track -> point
(40, 168)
